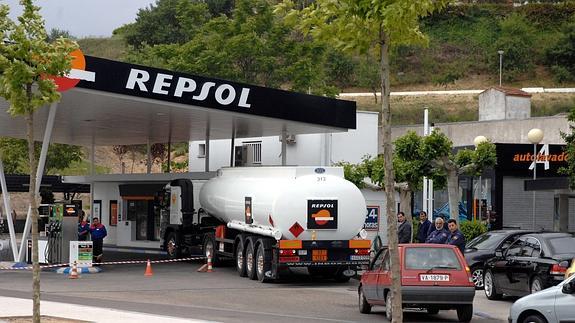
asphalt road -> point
(177, 289)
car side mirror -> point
(498, 253)
(569, 288)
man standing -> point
(456, 237)
(98, 233)
(83, 227)
(440, 235)
(403, 229)
(424, 225)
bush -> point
(472, 229)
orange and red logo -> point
(77, 73)
(322, 217)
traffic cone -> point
(209, 270)
(74, 272)
(149, 269)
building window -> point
(202, 150)
(255, 150)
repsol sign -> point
(161, 83)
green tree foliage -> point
(26, 58)
(561, 57)
(472, 229)
(517, 41)
(569, 138)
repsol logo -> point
(225, 94)
(322, 205)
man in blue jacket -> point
(424, 225)
(98, 233)
(456, 237)
(439, 235)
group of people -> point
(429, 233)
(97, 232)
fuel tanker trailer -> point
(268, 219)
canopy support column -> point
(284, 146)
(8, 209)
(207, 159)
(39, 172)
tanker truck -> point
(268, 219)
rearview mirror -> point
(569, 288)
(498, 253)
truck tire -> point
(339, 277)
(263, 263)
(210, 246)
(240, 259)
(172, 247)
(251, 261)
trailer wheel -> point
(263, 263)
(250, 261)
(172, 247)
(241, 259)
(210, 247)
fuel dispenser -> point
(61, 228)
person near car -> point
(98, 233)
(456, 237)
(403, 229)
(424, 225)
(439, 235)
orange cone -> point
(149, 269)
(74, 271)
(209, 270)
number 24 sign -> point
(372, 219)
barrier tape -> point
(108, 263)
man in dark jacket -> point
(403, 229)
(424, 225)
(456, 237)
(439, 235)
(98, 233)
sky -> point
(84, 18)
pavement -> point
(11, 307)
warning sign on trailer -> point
(322, 214)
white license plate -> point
(434, 278)
(359, 257)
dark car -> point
(532, 263)
(483, 247)
(433, 276)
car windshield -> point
(423, 258)
(562, 245)
(486, 241)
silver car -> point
(554, 304)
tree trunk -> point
(453, 191)
(405, 203)
(34, 207)
(397, 311)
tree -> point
(371, 26)
(569, 138)
(26, 58)
(437, 150)
(562, 55)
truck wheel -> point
(340, 277)
(263, 263)
(210, 247)
(240, 259)
(250, 262)
(172, 247)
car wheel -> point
(172, 247)
(465, 313)
(388, 306)
(534, 318)
(240, 259)
(489, 286)
(250, 262)
(536, 285)
(364, 306)
(477, 276)
(432, 310)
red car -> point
(435, 277)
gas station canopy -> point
(117, 103)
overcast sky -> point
(83, 18)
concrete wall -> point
(491, 105)
(499, 131)
(517, 107)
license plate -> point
(319, 255)
(359, 257)
(434, 278)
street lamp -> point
(500, 52)
(477, 141)
(535, 136)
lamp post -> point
(535, 136)
(500, 52)
(477, 141)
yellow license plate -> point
(319, 255)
